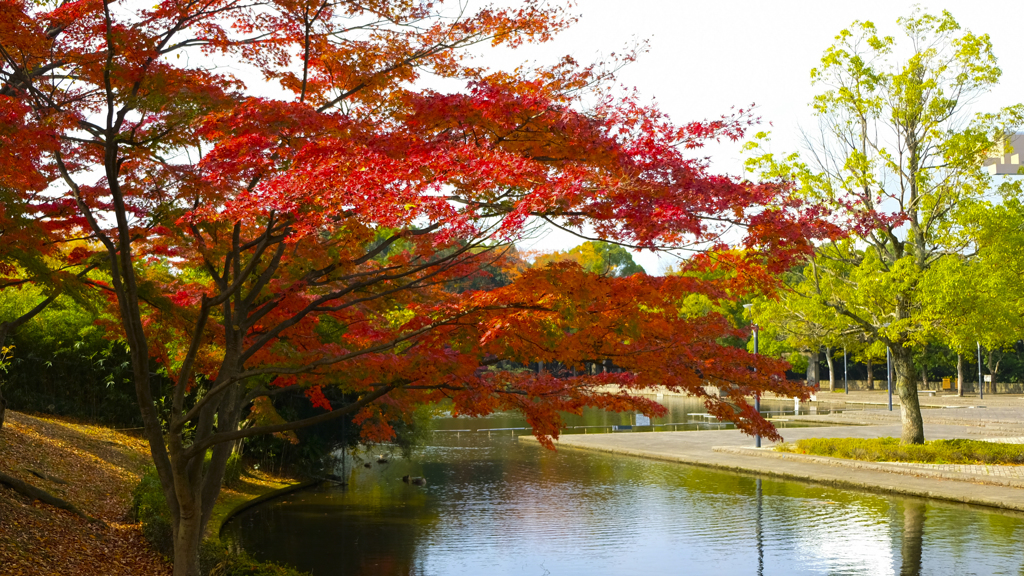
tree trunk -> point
(813, 369)
(871, 374)
(831, 369)
(924, 378)
(186, 546)
(993, 369)
(910, 406)
(959, 374)
(26, 489)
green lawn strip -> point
(956, 451)
(245, 495)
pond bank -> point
(732, 450)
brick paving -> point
(1003, 471)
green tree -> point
(602, 258)
(897, 164)
(977, 296)
(795, 323)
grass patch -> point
(957, 451)
(250, 484)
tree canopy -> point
(598, 257)
(315, 224)
(898, 165)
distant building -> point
(1005, 159)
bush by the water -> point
(957, 451)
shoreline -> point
(990, 486)
(216, 526)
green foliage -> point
(216, 560)
(232, 470)
(413, 432)
(63, 363)
(897, 164)
(601, 258)
(312, 455)
(150, 508)
(957, 451)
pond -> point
(684, 413)
(493, 506)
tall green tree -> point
(604, 258)
(977, 297)
(798, 322)
(897, 162)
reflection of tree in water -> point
(372, 531)
(913, 535)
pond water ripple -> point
(493, 507)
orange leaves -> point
(317, 398)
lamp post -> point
(846, 381)
(757, 395)
(888, 374)
(981, 384)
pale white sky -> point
(707, 56)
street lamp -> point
(981, 385)
(846, 381)
(888, 373)
(757, 395)
(888, 367)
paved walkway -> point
(1002, 419)
(1016, 472)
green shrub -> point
(957, 451)
(150, 508)
(216, 560)
(232, 470)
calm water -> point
(495, 507)
(684, 413)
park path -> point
(1001, 419)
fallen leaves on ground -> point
(94, 468)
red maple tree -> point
(323, 237)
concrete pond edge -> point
(908, 470)
(958, 496)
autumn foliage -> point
(279, 204)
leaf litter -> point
(94, 468)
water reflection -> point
(493, 507)
(757, 530)
(684, 413)
(913, 537)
